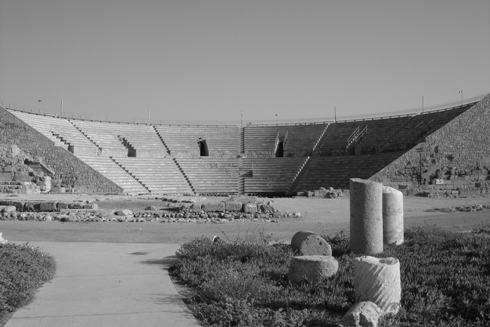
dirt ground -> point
(324, 216)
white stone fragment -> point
(378, 280)
(362, 314)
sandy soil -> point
(324, 216)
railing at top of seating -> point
(246, 123)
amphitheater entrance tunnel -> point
(203, 147)
(280, 149)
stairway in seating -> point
(298, 175)
(320, 138)
(161, 139)
(112, 171)
(159, 175)
(242, 140)
(185, 176)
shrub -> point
(22, 270)
(243, 282)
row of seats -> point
(211, 175)
(158, 175)
(271, 175)
(219, 139)
(58, 130)
(298, 140)
(112, 171)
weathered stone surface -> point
(9, 209)
(92, 206)
(309, 243)
(378, 280)
(362, 314)
(62, 205)
(124, 212)
(48, 206)
(313, 268)
(392, 216)
(196, 207)
(458, 145)
(366, 217)
(250, 208)
(214, 207)
(234, 206)
(73, 171)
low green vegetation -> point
(445, 281)
(23, 269)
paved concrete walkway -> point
(107, 284)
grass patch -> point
(23, 269)
(243, 282)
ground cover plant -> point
(243, 282)
(23, 269)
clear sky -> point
(197, 60)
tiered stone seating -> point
(111, 170)
(299, 140)
(370, 166)
(107, 136)
(260, 141)
(422, 125)
(211, 175)
(271, 175)
(60, 131)
(144, 141)
(159, 175)
(182, 141)
(328, 171)
(379, 130)
(335, 138)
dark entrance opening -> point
(280, 149)
(203, 148)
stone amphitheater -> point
(444, 152)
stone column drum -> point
(378, 280)
(366, 217)
(313, 268)
(392, 216)
(306, 242)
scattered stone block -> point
(214, 207)
(309, 243)
(9, 209)
(150, 208)
(48, 206)
(91, 206)
(234, 206)
(196, 207)
(313, 268)
(2, 240)
(378, 280)
(362, 314)
(62, 205)
(124, 212)
(250, 208)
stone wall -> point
(454, 160)
(72, 172)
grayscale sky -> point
(208, 59)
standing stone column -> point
(378, 280)
(392, 216)
(366, 217)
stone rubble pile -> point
(208, 212)
(462, 208)
(329, 193)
